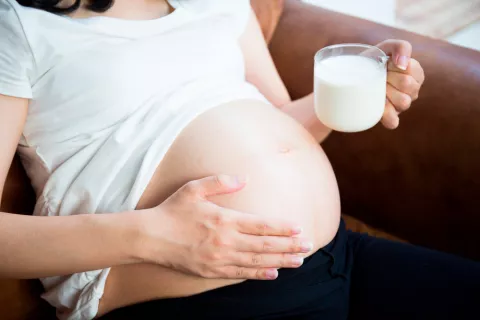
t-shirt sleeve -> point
(16, 60)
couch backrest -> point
(19, 299)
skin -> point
(132, 237)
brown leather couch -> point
(420, 183)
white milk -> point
(350, 92)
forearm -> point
(35, 247)
(303, 111)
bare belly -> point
(289, 175)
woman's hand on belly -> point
(193, 235)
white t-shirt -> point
(108, 98)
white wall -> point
(468, 37)
(382, 11)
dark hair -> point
(52, 5)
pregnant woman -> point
(171, 115)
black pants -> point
(354, 277)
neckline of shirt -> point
(133, 28)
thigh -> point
(392, 280)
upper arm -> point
(260, 68)
(16, 71)
(13, 112)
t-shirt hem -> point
(89, 301)
(157, 153)
(17, 91)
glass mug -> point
(350, 86)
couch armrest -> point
(420, 182)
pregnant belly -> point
(289, 175)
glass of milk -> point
(350, 86)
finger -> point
(401, 101)
(416, 71)
(215, 185)
(257, 260)
(404, 83)
(231, 272)
(391, 66)
(399, 50)
(255, 225)
(248, 243)
(390, 117)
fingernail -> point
(402, 62)
(297, 261)
(297, 230)
(271, 274)
(307, 247)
